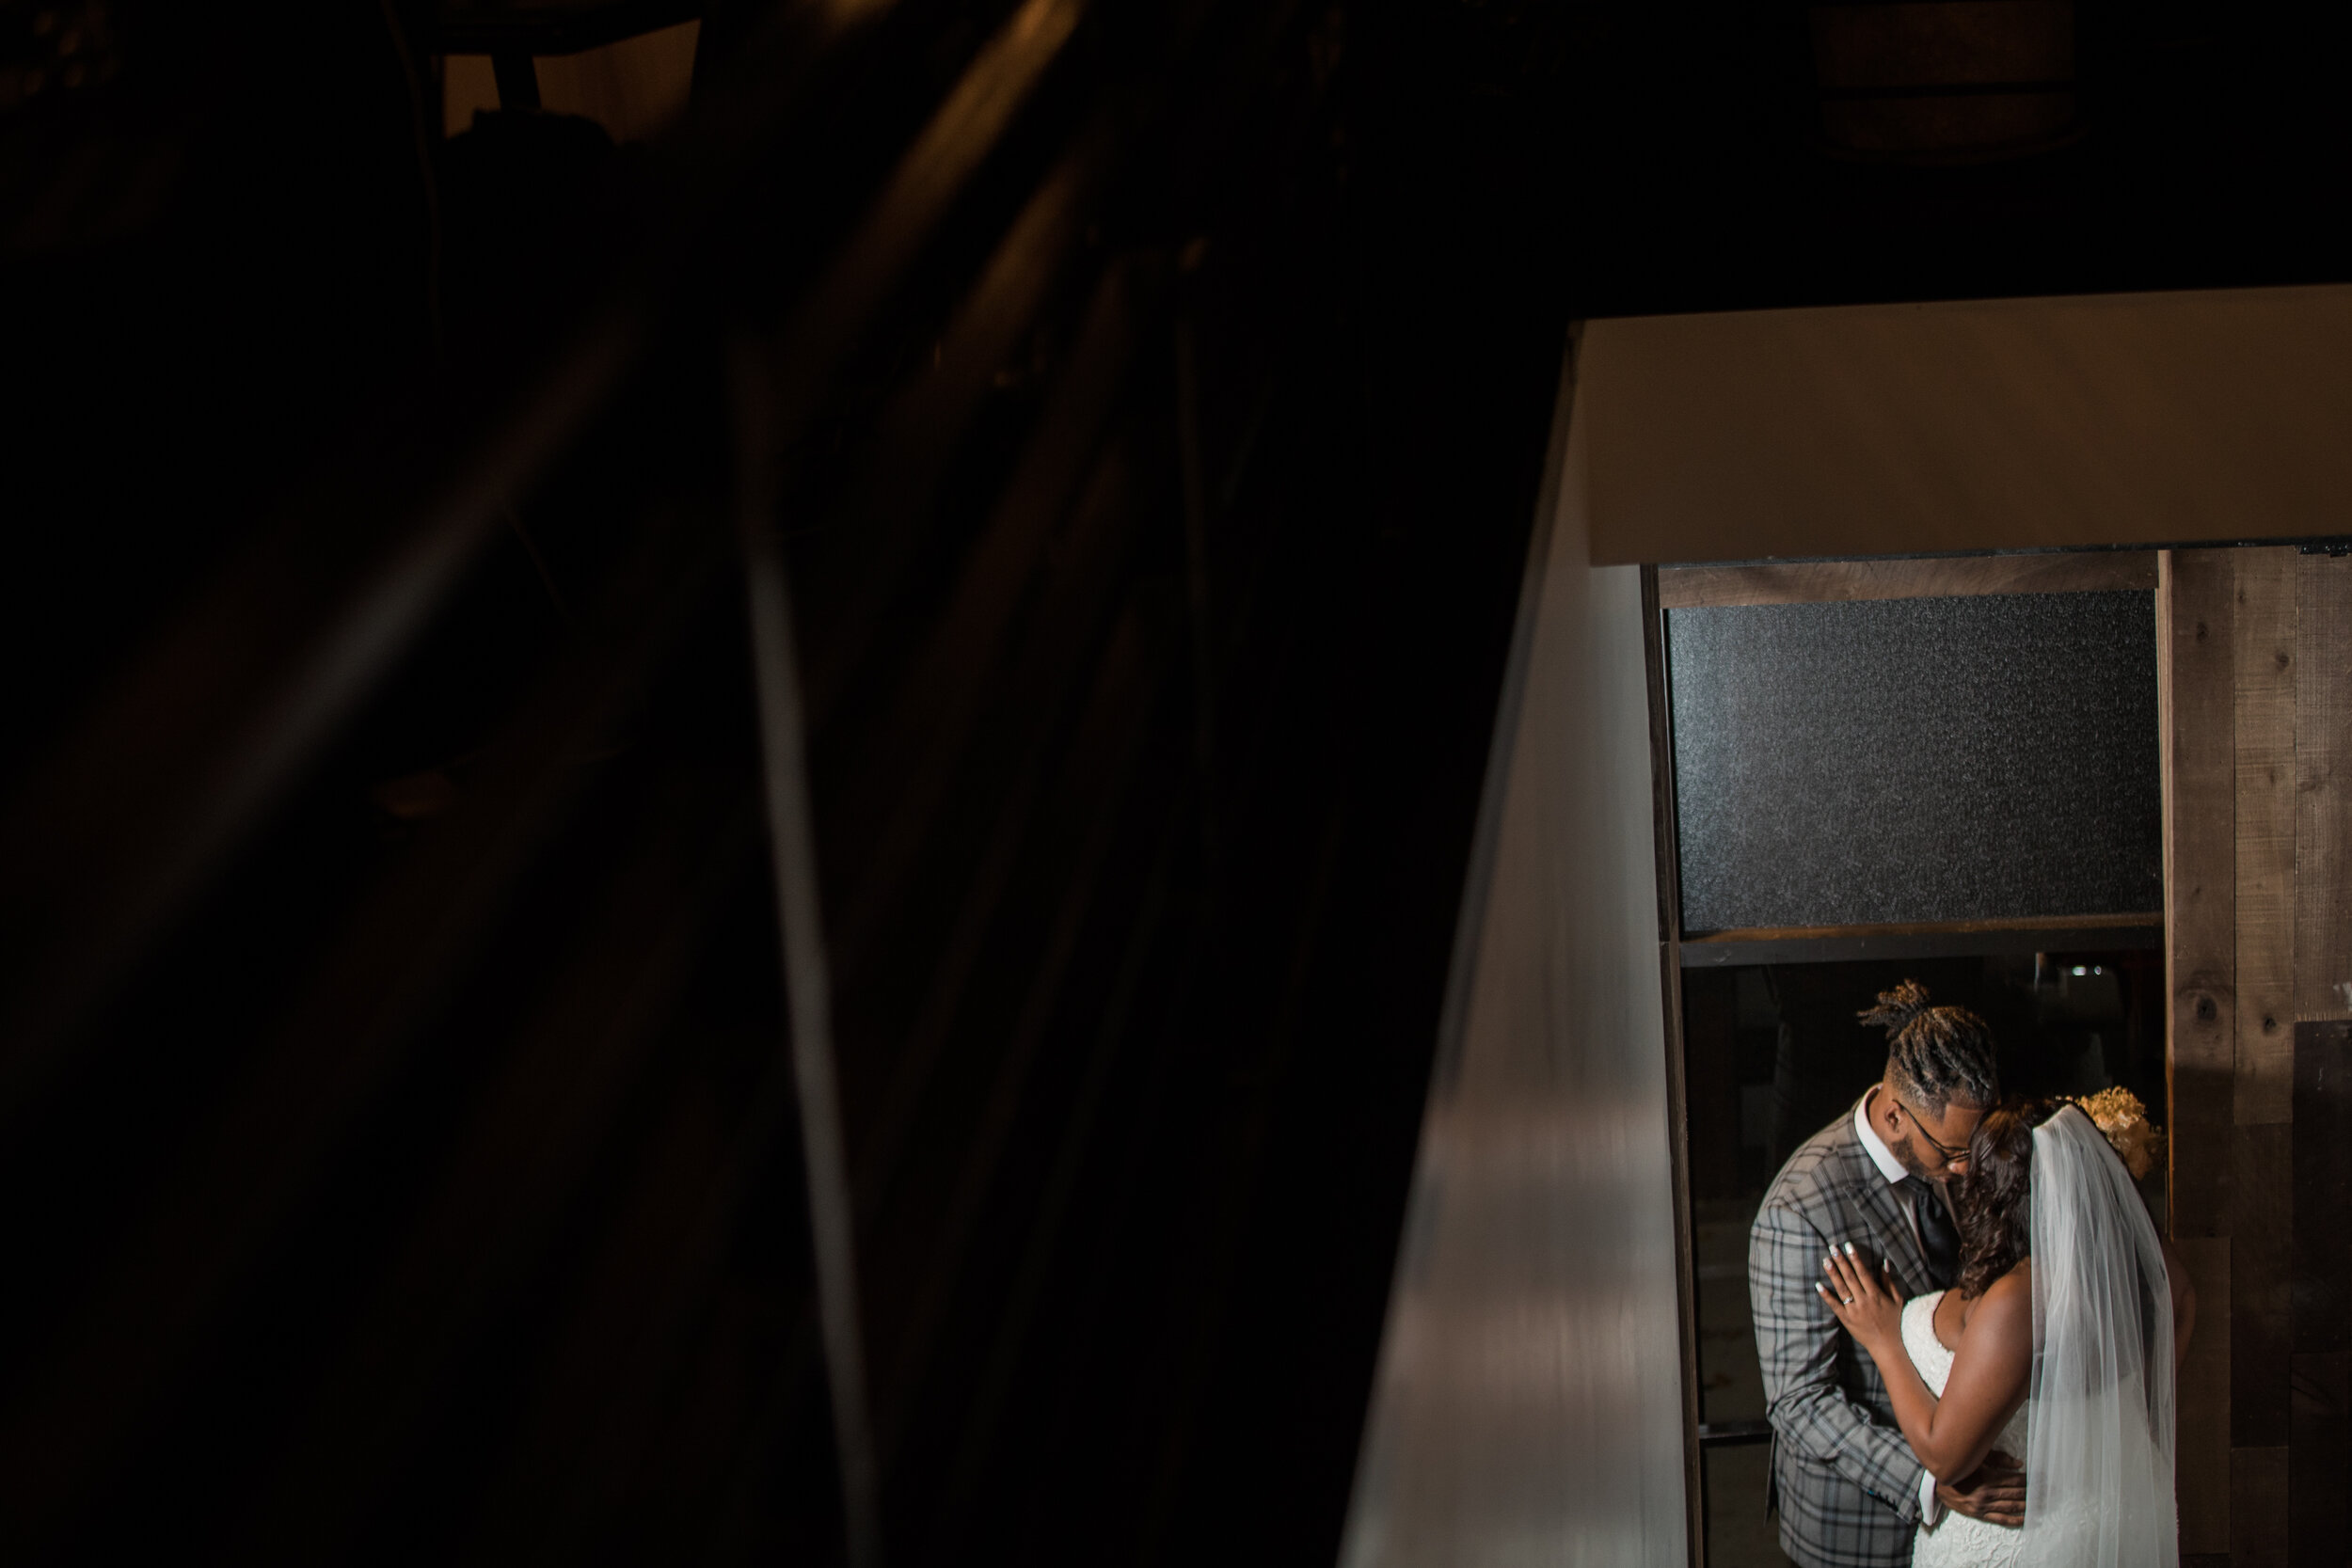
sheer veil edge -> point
(2100, 1417)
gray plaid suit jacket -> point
(1847, 1483)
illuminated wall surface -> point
(1928, 759)
(1528, 1407)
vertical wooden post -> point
(2260, 1218)
(2262, 635)
(2255, 676)
(2320, 1361)
(2197, 717)
(2323, 776)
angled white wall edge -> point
(2089, 419)
(1528, 1405)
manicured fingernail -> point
(1850, 1249)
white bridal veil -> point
(2099, 1422)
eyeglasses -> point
(1946, 1151)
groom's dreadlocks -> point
(1937, 1054)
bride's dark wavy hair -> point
(1995, 1235)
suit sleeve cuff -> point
(1930, 1506)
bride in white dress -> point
(2056, 1348)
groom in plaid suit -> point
(1850, 1491)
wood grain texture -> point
(2201, 1451)
(2053, 925)
(2196, 700)
(2262, 1310)
(2323, 760)
(2263, 651)
(1838, 581)
(1789, 945)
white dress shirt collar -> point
(1881, 1155)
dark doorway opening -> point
(1772, 1053)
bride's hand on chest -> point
(1864, 1297)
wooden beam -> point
(2200, 1461)
(1938, 939)
(2323, 755)
(1952, 425)
(2197, 721)
(2197, 701)
(2261, 1291)
(2263, 649)
(1944, 577)
(2320, 1370)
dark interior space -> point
(403, 1150)
(1775, 1053)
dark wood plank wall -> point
(2193, 622)
(2319, 1433)
(2261, 680)
(2319, 1436)
(447, 1150)
(2255, 645)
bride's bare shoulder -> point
(2006, 1308)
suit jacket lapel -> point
(1868, 1189)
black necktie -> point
(1938, 1237)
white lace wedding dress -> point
(1958, 1540)
(2099, 1409)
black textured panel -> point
(1916, 759)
